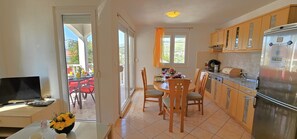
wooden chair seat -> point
(153, 93)
(197, 97)
(194, 96)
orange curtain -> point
(158, 47)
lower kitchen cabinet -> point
(245, 110)
(229, 99)
(216, 90)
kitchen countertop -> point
(238, 80)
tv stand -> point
(17, 116)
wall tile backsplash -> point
(248, 62)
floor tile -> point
(201, 133)
(151, 131)
(163, 136)
(214, 124)
(135, 135)
(189, 136)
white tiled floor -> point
(214, 124)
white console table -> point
(81, 130)
(17, 116)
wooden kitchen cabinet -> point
(228, 40)
(216, 90)
(217, 38)
(276, 18)
(217, 41)
(252, 35)
(237, 37)
(245, 110)
(229, 99)
(248, 35)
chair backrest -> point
(196, 80)
(178, 93)
(144, 80)
(203, 84)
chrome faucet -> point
(243, 75)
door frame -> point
(122, 25)
(59, 11)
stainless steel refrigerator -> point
(276, 101)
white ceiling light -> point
(173, 14)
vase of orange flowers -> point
(63, 123)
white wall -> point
(260, 11)
(29, 46)
(198, 41)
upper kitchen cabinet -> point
(238, 32)
(228, 40)
(217, 41)
(252, 35)
(234, 38)
(248, 35)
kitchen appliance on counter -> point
(212, 64)
(276, 101)
(232, 72)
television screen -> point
(19, 88)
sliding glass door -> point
(126, 65)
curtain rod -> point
(176, 27)
(125, 22)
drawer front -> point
(247, 91)
(14, 121)
(231, 83)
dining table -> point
(164, 86)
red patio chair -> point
(88, 88)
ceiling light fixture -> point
(173, 14)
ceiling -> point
(152, 12)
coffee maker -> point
(214, 65)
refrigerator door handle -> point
(255, 102)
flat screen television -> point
(19, 89)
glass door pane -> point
(123, 58)
(79, 61)
(131, 64)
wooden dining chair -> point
(150, 92)
(196, 80)
(176, 102)
(196, 98)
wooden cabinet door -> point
(252, 35)
(250, 113)
(271, 20)
(237, 37)
(223, 98)
(229, 99)
(218, 92)
(245, 110)
(233, 101)
(228, 39)
(221, 37)
(240, 106)
(282, 16)
(213, 88)
(213, 38)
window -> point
(174, 48)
